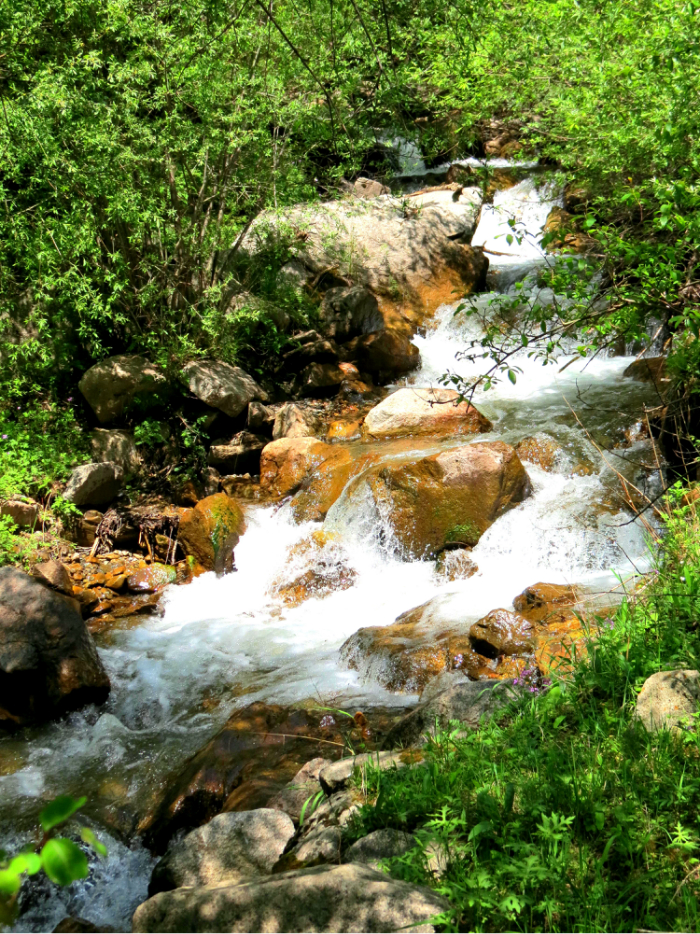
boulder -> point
(540, 450)
(294, 421)
(151, 579)
(116, 446)
(404, 256)
(240, 455)
(54, 575)
(316, 472)
(669, 700)
(384, 354)
(380, 845)
(467, 702)
(443, 499)
(349, 311)
(455, 564)
(94, 484)
(325, 898)
(25, 515)
(293, 275)
(211, 530)
(48, 661)
(369, 188)
(322, 351)
(408, 654)
(423, 411)
(260, 418)
(222, 386)
(649, 370)
(547, 603)
(502, 633)
(321, 379)
(334, 777)
(316, 567)
(111, 386)
(320, 844)
(458, 207)
(231, 848)
(303, 786)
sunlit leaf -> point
(59, 811)
(89, 837)
(9, 882)
(64, 861)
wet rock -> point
(350, 311)
(384, 354)
(116, 446)
(546, 602)
(341, 430)
(316, 567)
(455, 564)
(211, 530)
(423, 411)
(380, 845)
(369, 188)
(260, 418)
(240, 455)
(315, 471)
(112, 385)
(25, 515)
(295, 421)
(321, 379)
(669, 700)
(230, 849)
(334, 778)
(540, 450)
(502, 633)
(576, 198)
(222, 386)
(467, 702)
(649, 370)
(94, 484)
(71, 925)
(54, 575)
(447, 498)
(48, 661)
(151, 579)
(338, 898)
(563, 227)
(303, 786)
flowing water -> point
(230, 641)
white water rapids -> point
(231, 638)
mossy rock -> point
(211, 530)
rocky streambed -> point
(403, 556)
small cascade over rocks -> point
(453, 515)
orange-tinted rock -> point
(502, 632)
(449, 497)
(344, 430)
(539, 450)
(649, 370)
(317, 568)
(424, 411)
(546, 602)
(385, 353)
(211, 530)
(150, 579)
(455, 564)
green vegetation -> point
(563, 814)
(62, 860)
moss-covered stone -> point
(211, 530)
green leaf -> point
(64, 861)
(59, 811)
(512, 376)
(89, 837)
(25, 862)
(9, 882)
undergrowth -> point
(563, 813)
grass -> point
(563, 813)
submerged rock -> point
(447, 498)
(222, 386)
(112, 385)
(230, 849)
(670, 700)
(423, 411)
(211, 530)
(48, 660)
(649, 370)
(540, 450)
(326, 898)
(316, 567)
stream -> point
(222, 643)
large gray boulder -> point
(380, 845)
(48, 660)
(231, 848)
(117, 446)
(303, 786)
(25, 515)
(344, 898)
(222, 386)
(112, 385)
(669, 700)
(94, 484)
(458, 207)
(469, 702)
(334, 777)
(349, 311)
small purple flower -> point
(4, 437)
(327, 722)
(69, 399)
